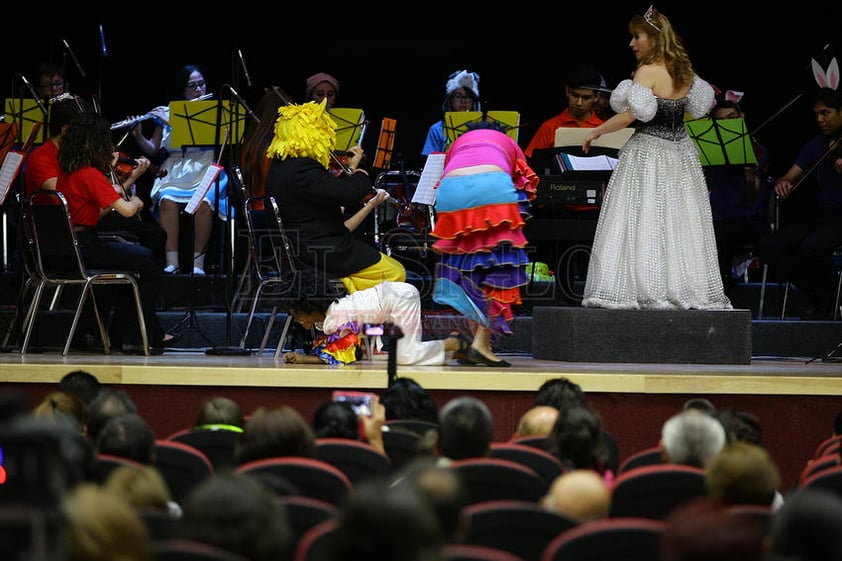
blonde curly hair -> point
(304, 131)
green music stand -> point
(198, 123)
(722, 142)
(27, 112)
(350, 126)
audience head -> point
(220, 412)
(691, 438)
(466, 428)
(406, 399)
(462, 92)
(443, 488)
(742, 473)
(559, 393)
(336, 420)
(107, 403)
(577, 439)
(808, 526)
(304, 131)
(101, 526)
(142, 486)
(537, 420)
(81, 383)
(703, 531)
(233, 511)
(128, 436)
(741, 426)
(580, 494)
(388, 524)
(321, 86)
(700, 404)
(273, 431)
(64, 408)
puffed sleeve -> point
(629, 95)
(619, 99)
(700, 98)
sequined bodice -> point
(668, 122)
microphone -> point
(243, 64)
(242, 102)
(102, 42)
(34, 94)
(73, 56)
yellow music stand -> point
(349, 126)
(27, 112)
(456, 122)
(198, 123)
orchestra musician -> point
(461, 94)
(311, 199)
(185, 168)
(801, 251)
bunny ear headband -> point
(826, 78)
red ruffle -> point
(450, 224)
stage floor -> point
(784, 376)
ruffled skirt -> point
(480, 241)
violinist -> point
(740, 197)
(801, 251)
(311, 199)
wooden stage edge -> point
(786, 376)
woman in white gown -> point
(654, 246)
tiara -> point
(649, 16)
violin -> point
(124, 166)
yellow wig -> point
(304, 131)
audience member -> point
(482, 200)
(314, 302)
(742, 473)
(108, 403)
(143, 487)
(63, 408)
(559, 393)
(405, 398)
(221, 413)
(807, 527)
(82, 384)
(461, 94)
(100, 526)
(466, 429)
(538, 420)
(388, 524)
(702, 404)
(185, 168)
(580, 494)
(312, 201)
(702, 530)
(334, 419)
(128, 436)
(691, 438)
(801, 250)
(741, 426)
(234, 512)
(273, 431)
(578, 440)
(583, 88)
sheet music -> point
(8, 171)
(425, 192)
(583, 163)
(204, 185)
(573, 136)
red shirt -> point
(87, 191)
(545, 136)
(41, 165)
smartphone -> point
(360, 401)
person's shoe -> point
(476, 357)
(171, 269)
(88, 341)
(198, 271)
(465, 342)
(136, 349)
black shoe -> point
(88, 341)
(461, 355)
(136, 349)
(476, 357)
